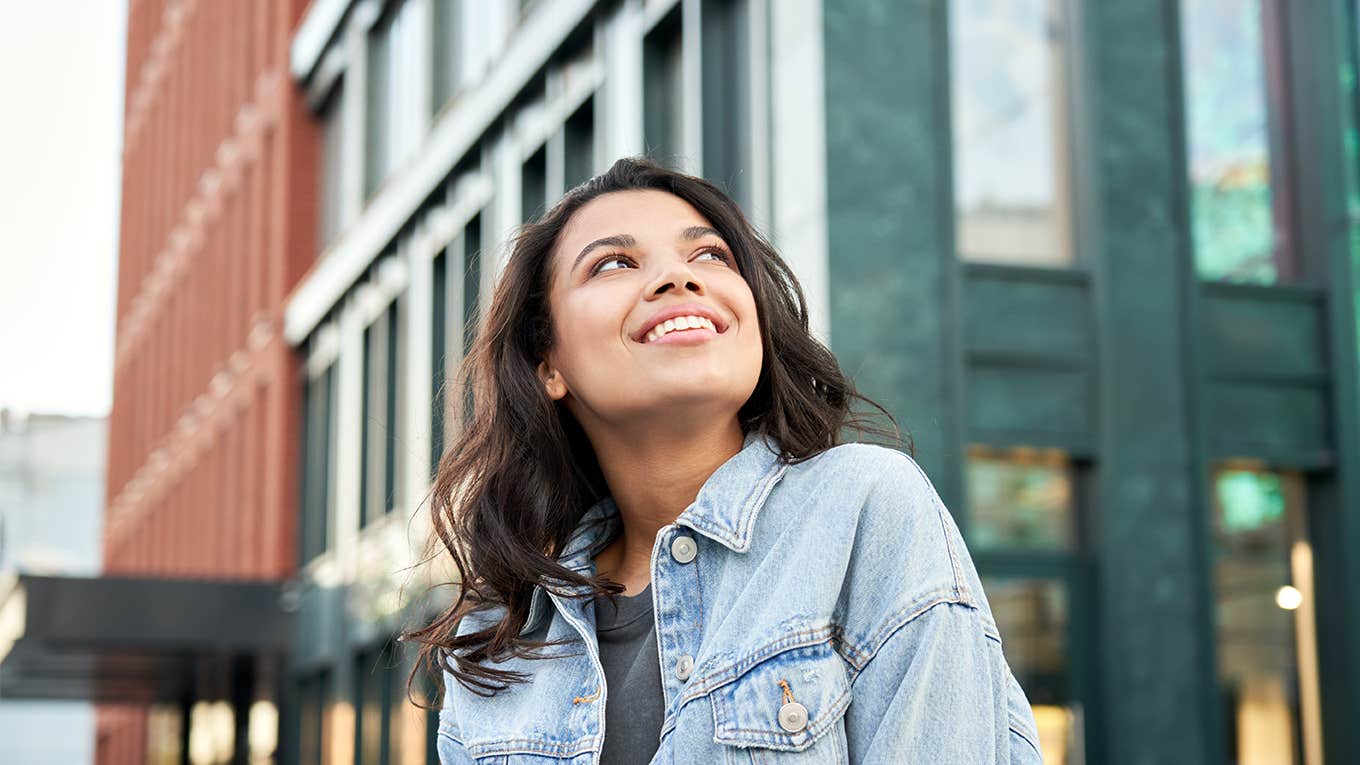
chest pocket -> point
(789, 707)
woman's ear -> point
(552, 381)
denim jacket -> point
(822, 612)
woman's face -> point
(624, 260)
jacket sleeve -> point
(929, 680)
(939, 690)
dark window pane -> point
(726, 96)
(365, 431)
(472, 290)
(437, 350)
(1020, 499)
(313, 699)
(1032, 615)
(393, 391)
(533, 185)
(1012, 201)
(662, 91)
(580, 144)
(369, 733)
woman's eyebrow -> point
(617, 240)
(626, 240)
(699, 232)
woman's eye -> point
(599, 267)
(719, 254)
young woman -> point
(666, 553)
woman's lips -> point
(685, 337)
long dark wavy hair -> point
(516, 480)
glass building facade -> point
(1100, 259)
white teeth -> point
(680, 322)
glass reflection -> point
(1020, 499)
(1234, 222)
(1263, 592)
(1010, 130)
(1032, 615)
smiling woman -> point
(646, 387)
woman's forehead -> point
(639, 213)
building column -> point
(1156, 670)
(892, 273)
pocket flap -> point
(785, 702)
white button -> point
(684, 666)
(683, 549)
(793, 717)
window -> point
(467, 257)
(395, 120)
(313, 703)
(438, 349)
(332, 163)
(1263, 595)
(380, 122)
(534, 185)
(1238, 208)
(317, 436)
(380, 427)
(726, 96)
(366, 431)
(1012, 195)
(391, 394)
(389, 729)
(472, 290)
(1020, 500)
(663, 89)
(1033, 617)
(1023, 528)
(579, 145)
(447, 49)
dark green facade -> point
(1141, 371)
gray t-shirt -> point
(634, 709)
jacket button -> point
(793, 717)
(683, 549)
(684, 666)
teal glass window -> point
(1237, 207)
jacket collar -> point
(724, 510)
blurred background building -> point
(51, 506)
(1100, 258)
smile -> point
(679, 324)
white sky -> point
(61, 86)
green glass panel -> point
(1228, 137)
(1019, 503)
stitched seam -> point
(940, 511)
(712, 681)
(1011, 723)
(532, 746)
(884, 635)
(756, 501)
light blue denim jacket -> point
(817, 613)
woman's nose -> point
(677, 276)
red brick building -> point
(218, 225)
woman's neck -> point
(652, 481)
